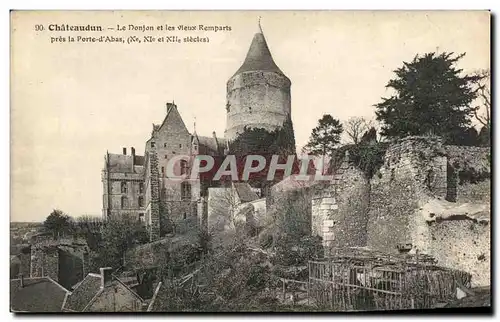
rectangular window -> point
(166, 156)
(180, 145)
(185, 191)
(164, 145)
(124, 187)
(141, 217)
(141, 187)
(183, 167)
(162, 171)
(141, 201)
(152, 144)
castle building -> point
(258, 96)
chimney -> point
(124, 151)
(21, 279)
(105, 276)
(132, 153)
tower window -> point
(141, 217)
(141, 187)
(183, 167)
(124, 187)
(163, 171)
(152, 144)
(180, 146)
(124, 202)
(166, 156)
(141, 201)
(164, 145)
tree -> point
(355, 127)
(120, 234)
(325, 137)
(482, 85)
(369, 136)
(57, 223)
(431, 97)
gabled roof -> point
(210, 142)
(37, 295)
(172, 112)
(244, 192)
(83, 293)
(259, 57)
(88, 290)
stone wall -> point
(154, 194)
(257, 99)
(415, 178)
(414, 169)
(45, 261)
(471, 168)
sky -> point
(72, 102)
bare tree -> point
(224, 207)
(355, 127)
(482, 112)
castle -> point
(258, 96)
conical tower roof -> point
(259, 57)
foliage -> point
(119, 234)
(356, 128)
(57, 223)
(324, 137)
(369, 136)
(259, 141)
(367, 156)
(88, 227)
(483, 87)
(290, 251)
(431, 97)
(484, 137)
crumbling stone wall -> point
(414, 169)
(462, 244)
(416, 173)
(350, 219)
(471, 168)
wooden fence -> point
(347, 286)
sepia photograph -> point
(250, 161)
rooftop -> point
(37, 295)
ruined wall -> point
(462, 244)
(414, 169)
(472, 171)
(352, 198)
(411, 187)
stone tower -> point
(258, 94)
